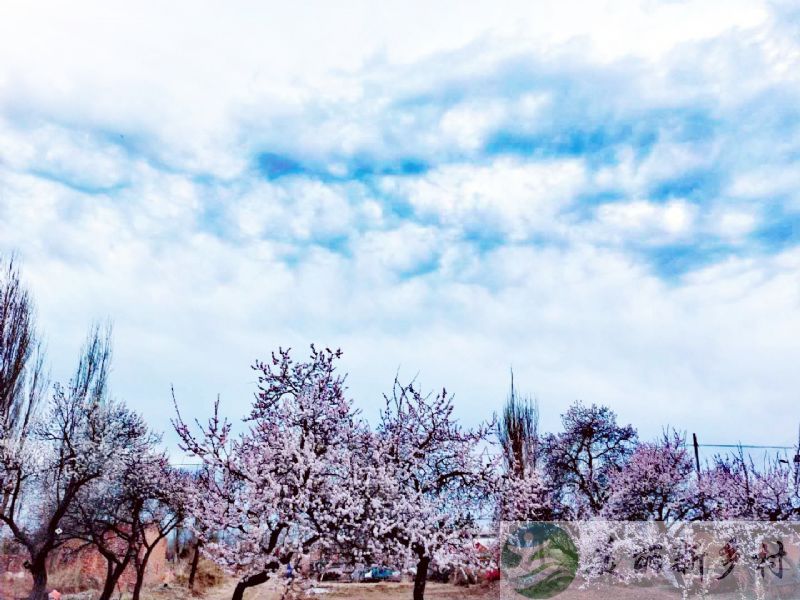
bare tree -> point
(22, 378)
(81, 437)
(518, 433)
(20, 359)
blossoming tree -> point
(281, 486)
(582, 458)
(433, 481)
(654, 484)
(125, 514)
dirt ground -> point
(381, 591)
(271, 591)
(434, 591)
(367, 591)
(393, 591)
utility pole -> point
(697, 454)
(797, 460)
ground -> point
(434, 591)
(381, 591)
(344, 591)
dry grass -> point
(66, 580)
(75, 585)
(209, 575)
(14, 587)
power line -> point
(748, 446)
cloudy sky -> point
(603, 195)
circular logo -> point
(538, 560)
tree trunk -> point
(195, 560)
(137, 587)
(421, 578)
(108, 586)
(39, 573)
(141, 568)
(248, 582)
(113, 573)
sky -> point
(604, 196)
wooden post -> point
(797, 461)
(696, 453)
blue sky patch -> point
(275, 166)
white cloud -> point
(734, 223)
(73, 156)
(766, 182)
(654, 221)
(410, 234)
(575, 322)
(468, 125)
(665, 161)
(183, 77)
(299, 209)
(512, 197)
